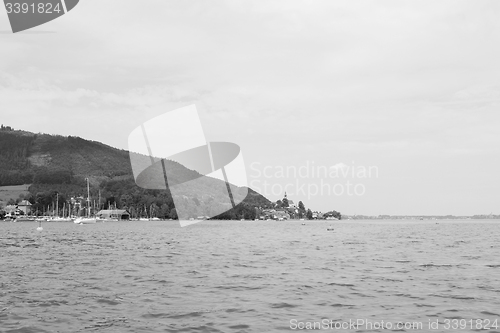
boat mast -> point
(88, 197)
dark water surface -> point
(247, 276)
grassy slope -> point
(12, 192)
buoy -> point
(39, 226)
(303, 224)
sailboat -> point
(57, 218)
(87, 219)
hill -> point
(11, 192)
(41, 158)
(58, 165)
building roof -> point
(24, 203)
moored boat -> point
(60, 219)
(25, 219)
(85, 220)
(106, 219)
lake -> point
(218, 276)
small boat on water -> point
(330, 228)
(85, 220)
(25, 219)
(106, 219)
(60, 219)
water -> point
(247, 276)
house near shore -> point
(25, 206)
(317, 216)
(13, 211)
(275, 214)
(119, 214)
(281, 215)
(291, 204)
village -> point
(287, 209)
(23, 210)
(281, 210)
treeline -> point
(6, 128)
(122, 194)
(9, 177)
(125, 194)
(37, 175)
(333, 213)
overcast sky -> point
(409, 88)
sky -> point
(406, 94)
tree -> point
(164, 211)
(279, 204)
(301, 206)
(309, 214)
(333, 213)
(110, 202)
(126, 201)
(173, 214)
(285, 202)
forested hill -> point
(53, 163)
(27, 158)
